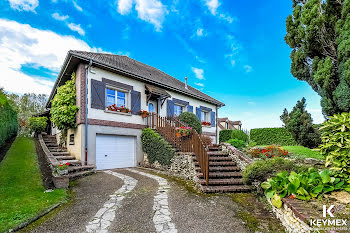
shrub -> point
(269, 136)
(207, 141)
(225, 135)
(240, 134)
(37, 124)
(303, 186)
(156, 148)
(268, 152)
(191, 120)
(8, 119)
(261, 170)
(336, 143)
(239, 144)
(64, 110)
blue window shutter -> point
(98, 97)
(212, 119)
(198, 113)
(170, 108)
(190, 108)
(135, 102)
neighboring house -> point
(225, 123)
(113, 138)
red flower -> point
(61, 165)
(292, 196)
(67, 164)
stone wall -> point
(181, 166)
(289, 220)
(238, 156)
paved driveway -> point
(133, 200)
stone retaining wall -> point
(238, 156)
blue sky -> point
(231, 50)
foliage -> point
(37, 124)
(225, 135)
(336, 143)
(303, 152)
(191, 120)
(184, 131)
(268, 152)
(270, 136)
(251, 144)
(156, 148)
(207, 141)
(303, 185)
(8, 119)
(240, 134)
(299, 123)
(26, 106)
(64, 110)
(22, 194)
(318, 33)
(239, 144)
(261, 170)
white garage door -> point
(114, 151)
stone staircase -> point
(224, 174)
(75, 168)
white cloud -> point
(59, 17)
(248, 68)
(76, 28)
(24, 5)
(227, 18)
(200, 32)
(231, 59)
(151, 11)
(199, 84)
(212, 5)
(21, 44)
(75, 4)
(198, 72)
(234, 47)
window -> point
(150, 107)
(116, 97)
(178, 109)
(71, 139)
(205, 116)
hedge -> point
(37, 124)
(156, 148)
(225, 135)
(8, 120)
(269, 136)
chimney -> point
(186, 83)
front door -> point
(152, 106)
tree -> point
(299, 123)
(318, 33)
(64, 110)
(191, 120)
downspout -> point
(87, 67)
(216, 124)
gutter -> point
(87, 68)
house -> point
(225, 123)
(111, 139)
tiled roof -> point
(145, 72)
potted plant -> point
(206, 123)
(183, 131)
(60, 179)
(144, 113)
(62, 169)
(113, 107)
(124, 109)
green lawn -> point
(22, 194)
(303, 152)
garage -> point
(114, 151)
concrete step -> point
(80, 168)
(57, 149)
(51, 144)
(230, 181)
(215, 158)
(220, 164)
(217, 153)
(71, 162)
(219, 169)
(65, 157)
(213, 148)
(75, 175)
(219, 175)
(225, 188)
(60, 153)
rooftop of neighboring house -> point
(230, 124)
(128, 67)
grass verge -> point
(22, 194)
(303, 152)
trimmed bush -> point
(225, 135)
(240, 134)
(8, 119)
(239, 144)
(261, 170)
(37, 124)
(191, 120)
(156, 148)
(269, 136)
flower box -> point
(206, 123)
(144, 113)
(183, 131)
(114, 108)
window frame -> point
(117, 89)
(207, 116)
(181, 106)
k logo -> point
(328, 211)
